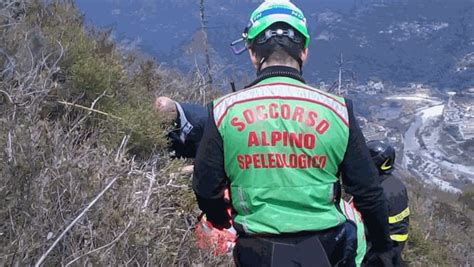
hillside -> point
(397, 41)
(85, 177)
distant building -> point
(459, 114)
(467, 127)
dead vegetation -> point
(85, 178)
(440, 227)
(84, 175)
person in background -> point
(281, 146)
(383, 155)
(187, 121)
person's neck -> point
(292, 64)
(277, 71)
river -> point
(428, 160)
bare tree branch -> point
(43, 257)
(152, 181)
(181, 244)
(206, 45)
(8, 96)
(97, 99)
(121, 149)
(89, 109)
(104, 246)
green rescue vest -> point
(283, 143)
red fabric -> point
(210, 238)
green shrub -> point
(467, 197)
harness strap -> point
(185, 127)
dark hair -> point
(278, 48)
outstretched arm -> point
(210, 179)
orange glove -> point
(210, 238)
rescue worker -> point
(280, 145)
(383, 155)
(188, 122)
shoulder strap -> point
(185, 127)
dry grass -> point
(80, 186)
(440, 227)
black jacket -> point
(397, 200)
(189, 127)
(359, 175)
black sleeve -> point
(210, 179)
(360, 179)
(397, 199)
(197, 117)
